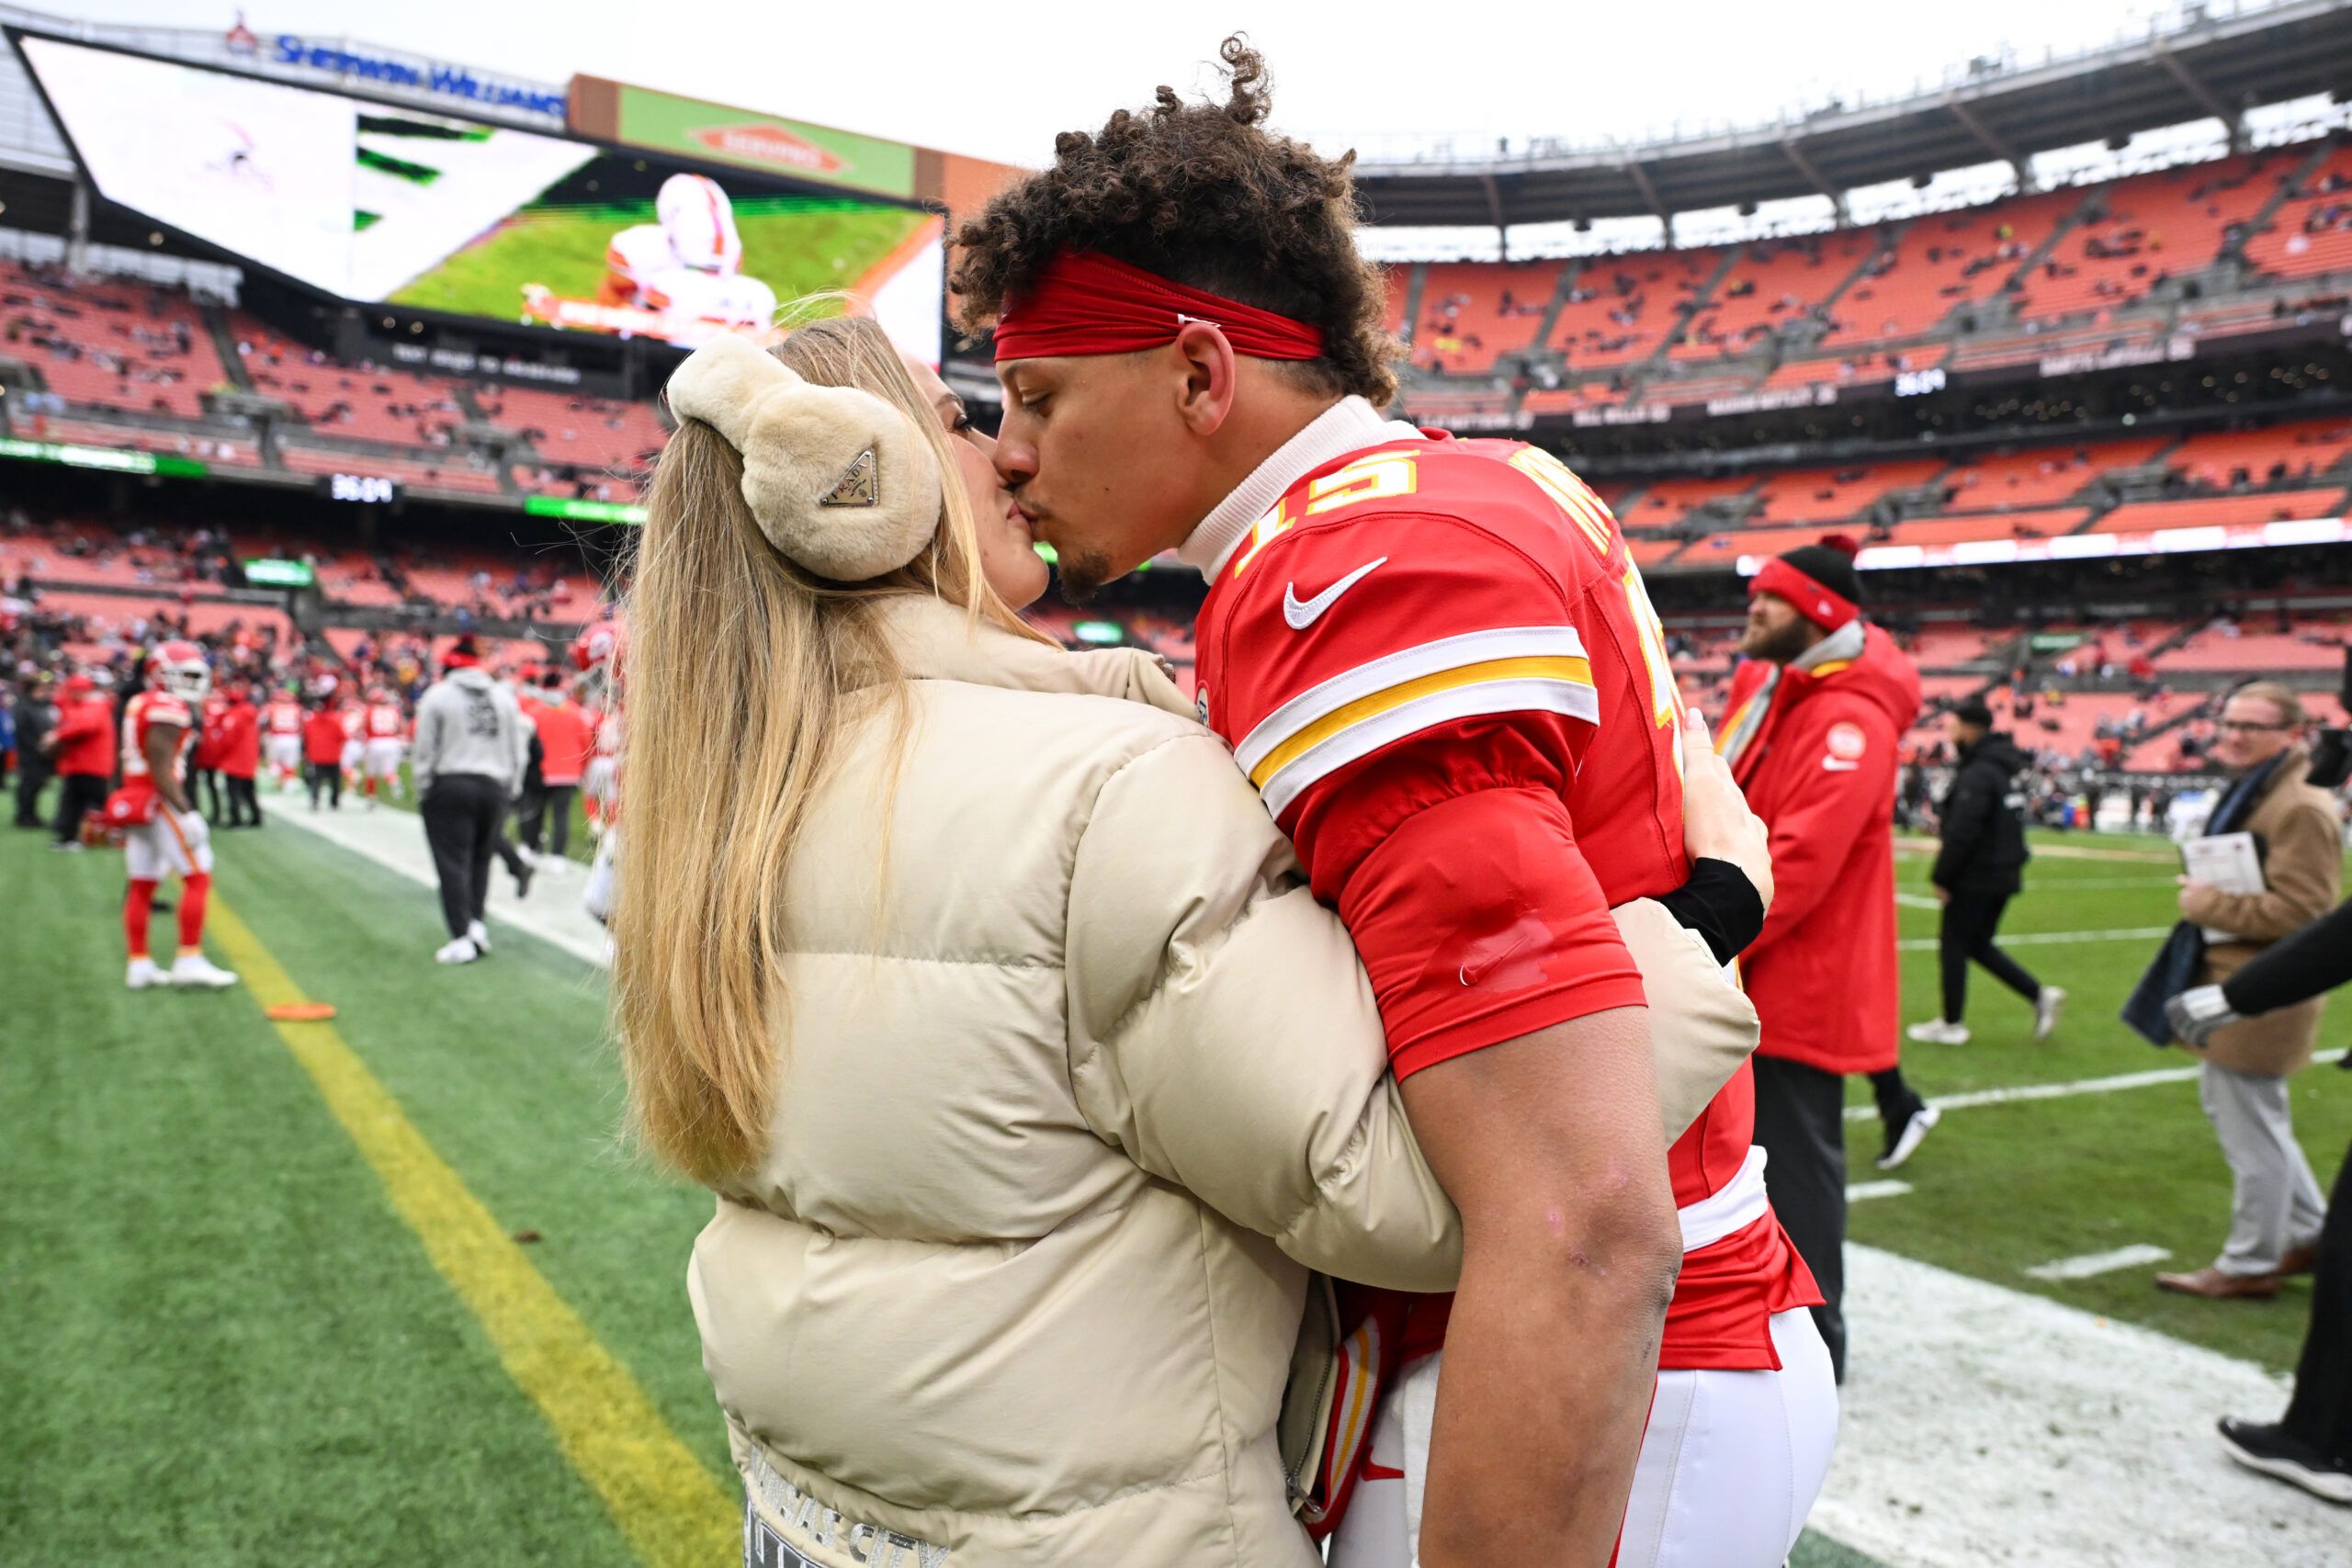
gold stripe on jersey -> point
(1511, 670)
(1586, 510)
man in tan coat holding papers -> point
(2276, 1210)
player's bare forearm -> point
(1551, 1148)
(163, 758)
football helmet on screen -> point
(180, 668)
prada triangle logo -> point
(860, 484)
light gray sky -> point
(999, 81)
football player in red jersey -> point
(161, 830)
(385, 729)
(1440, 669)
(1438, 666)
(283, 719)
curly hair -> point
(1201, 195)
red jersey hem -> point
(1578, 998)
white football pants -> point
(1730, 1464)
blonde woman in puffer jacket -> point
(974, 978)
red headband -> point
(1084, 302)
(1814, 601)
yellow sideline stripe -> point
(666, 1504)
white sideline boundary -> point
(1982, 1424)
(394, 840)
(2041, 939)
(2064, 1090)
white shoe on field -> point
(143, 973)
(478, 934)
(458, 952)
(1936, 1031)
(194, 969)
(2046, 1007)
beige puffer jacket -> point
(1060, 1130)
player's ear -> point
(1204, 360)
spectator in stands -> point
(323, 742)
(83, 746)
(467, 759)
(2311, 1446)
(1814, 718)
(2276, 1209)
(1982, 823)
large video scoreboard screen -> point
(391, 206)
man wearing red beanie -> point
(1810, 732)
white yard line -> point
(1863, 1191)
(395, 839)
(2034, 939)
(1982, 1424)
(2062, 1090)
(1906, 844)
(2095, 1263)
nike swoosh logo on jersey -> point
(1303, 614)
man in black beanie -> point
(1816, 712)
(1982, 822)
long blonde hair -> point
(740, 666)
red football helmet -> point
(180, 668)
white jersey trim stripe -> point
(1740, 1204)
(1525, 694)
(1395, 670)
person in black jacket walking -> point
(1976, 875)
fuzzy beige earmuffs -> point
(837, 478)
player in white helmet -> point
(161, 830)
(687, 264)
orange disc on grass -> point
(300, 1012)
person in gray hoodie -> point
(472, 743)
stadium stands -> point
(2038, 476)
(2226, 511)
(2150, 228)
(454, 471)
(2278, 454)
(1620, 308)
(1773, 284)
(108, 345)
(1473, 311)
(1802, 495)
(599, 432)
(2310, 233)
(1942, 261)
(2227, 479)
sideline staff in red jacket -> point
(82, 745)
(1814, 717)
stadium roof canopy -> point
(2210, 67)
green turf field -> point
(796, 246)
(228, 1346)
(1999, 1188)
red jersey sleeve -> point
(1414, 697)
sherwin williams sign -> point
(692, 127)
